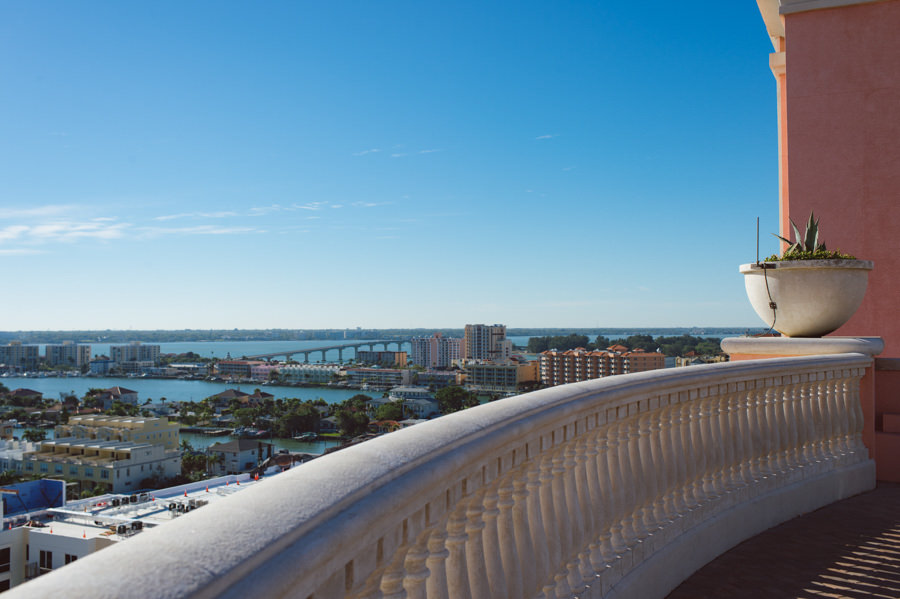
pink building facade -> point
(837, 70)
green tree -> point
(392, 410)
(453, 399)
(34, 435)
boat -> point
(306, 437)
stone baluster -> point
(583, 531)
(694, 460)
(632, 527)
(835, 438)
(744, 411)
(700, 410)
(719, 470)
(678, 458)
(862, 453)
(608, 509)
(551, 526)
(457, 567)
(654, 516)
(731, 427)
(508, 540)
(527, 524)
(436, 562)
(595, 500)
(617, 493)
(562, 530)
(391, 585)
(806, 426)
(791, 453)
(639, 463)
(476, 560)
(774, 418)
(490, 538)
(658, 439)
(416, 579)
(823, 447)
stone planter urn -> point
(812, 297)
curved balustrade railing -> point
(614, 487)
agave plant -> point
(808, 242)
(806, 246)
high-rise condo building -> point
(436, 351)
(67, 353)
(486, 342)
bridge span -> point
(371, 345)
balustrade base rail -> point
(616, 487)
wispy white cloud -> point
(12, 232)
(364, 152)
(68, 231)
(569, 168)
(545, 136)
(263, 210)
(37, 211)
(19, 252)
(337, 205)
(429, 151)
(399, 155)
(223, 214)
(310, 206)
(150, 232)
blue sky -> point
(382, 164)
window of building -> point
(73, 469)
(46, 559)
(29, 466)
(104, 474)
(70, 558)
(58, 468)
(43, 467)
(4, 559)
(89, 472)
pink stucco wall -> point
(843, 140)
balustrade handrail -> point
(542, 494)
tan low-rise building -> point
(136, 429)
(579, 364)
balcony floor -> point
(850, 549)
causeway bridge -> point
(371, 345)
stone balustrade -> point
(616, 487)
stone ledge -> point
(800, 346)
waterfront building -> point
(135, 351)
(436, 351)
(120, 394)
(240, 455)
(157, 431)
(101, 366)
(18, 357)
(67, 353)
(237, 369)
(437, 379)
(391, 359)
(264, 372)
(116, 466)
(579, 364)
(506, 376)
(191, 369)
(378, 378)
(486, 342)
(309, 373)
(11, 452)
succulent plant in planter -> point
(808, 291)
